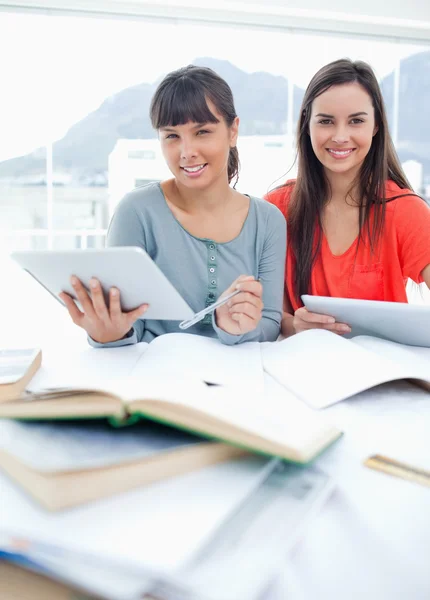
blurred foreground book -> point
(67, 463)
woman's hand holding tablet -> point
(304, 319)
(103, 322)
(127, 270)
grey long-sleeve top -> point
(201, 269)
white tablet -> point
(396, 321)
(130, 269)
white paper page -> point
(322, 368)
(275, 414)
(64, 366)
(68, 446)
(415, 357)
(158, 525)
(203, 358)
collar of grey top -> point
(172, 216)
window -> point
(74, 116)
(141, 154)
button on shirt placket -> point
(212, 278)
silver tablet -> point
(130, 269)
(396, 321)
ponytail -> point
(233, 166)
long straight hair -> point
(182, 97)
(312, 189)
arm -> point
(302, 319)
(426, 275)
(271, 270)
(412, 226)
(125, 229)
(287, 323)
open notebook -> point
(168, 384)
(170, 356)
(250, 421)
(322, 368)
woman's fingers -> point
(83, 297)
(338, 328)
(335, 327)
(252, 286)
(115, 311)
(303, 319)
(245, 297)
(246, 308)
(133, 315)
(98, 300)
(238, 283)
(309, 317)
(244, 322)
(74, 311)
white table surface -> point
(370, 540)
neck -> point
(342, 187)
(208, 200)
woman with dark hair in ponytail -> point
(206, 237)
(355, 228)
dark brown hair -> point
(312, 189)
(182, 97)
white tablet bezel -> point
(128, 268)
(397, 321)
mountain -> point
(261, 102)
(85, 148)
(414, 100)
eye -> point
(171, 136)
(325, 122)
(356, 121)
(202, 131)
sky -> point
(58, 69)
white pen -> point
(199, 316)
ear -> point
(375, 130)
(234, 132)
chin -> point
(341, 169)
(196, 184)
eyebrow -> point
(196, 126)
(357, 114)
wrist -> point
(129, 334)
(103, 340)
(287, 325)
(224, 325)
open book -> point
(17, 367)
(273, 426)
(65, 464)
(322, 368)
(169, 383)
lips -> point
(340, 153)
(194, 168)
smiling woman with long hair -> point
(355, 228)
(207, 238)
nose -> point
(188, 149)
(340, 135)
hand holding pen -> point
(239, 307)
(243, 311)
